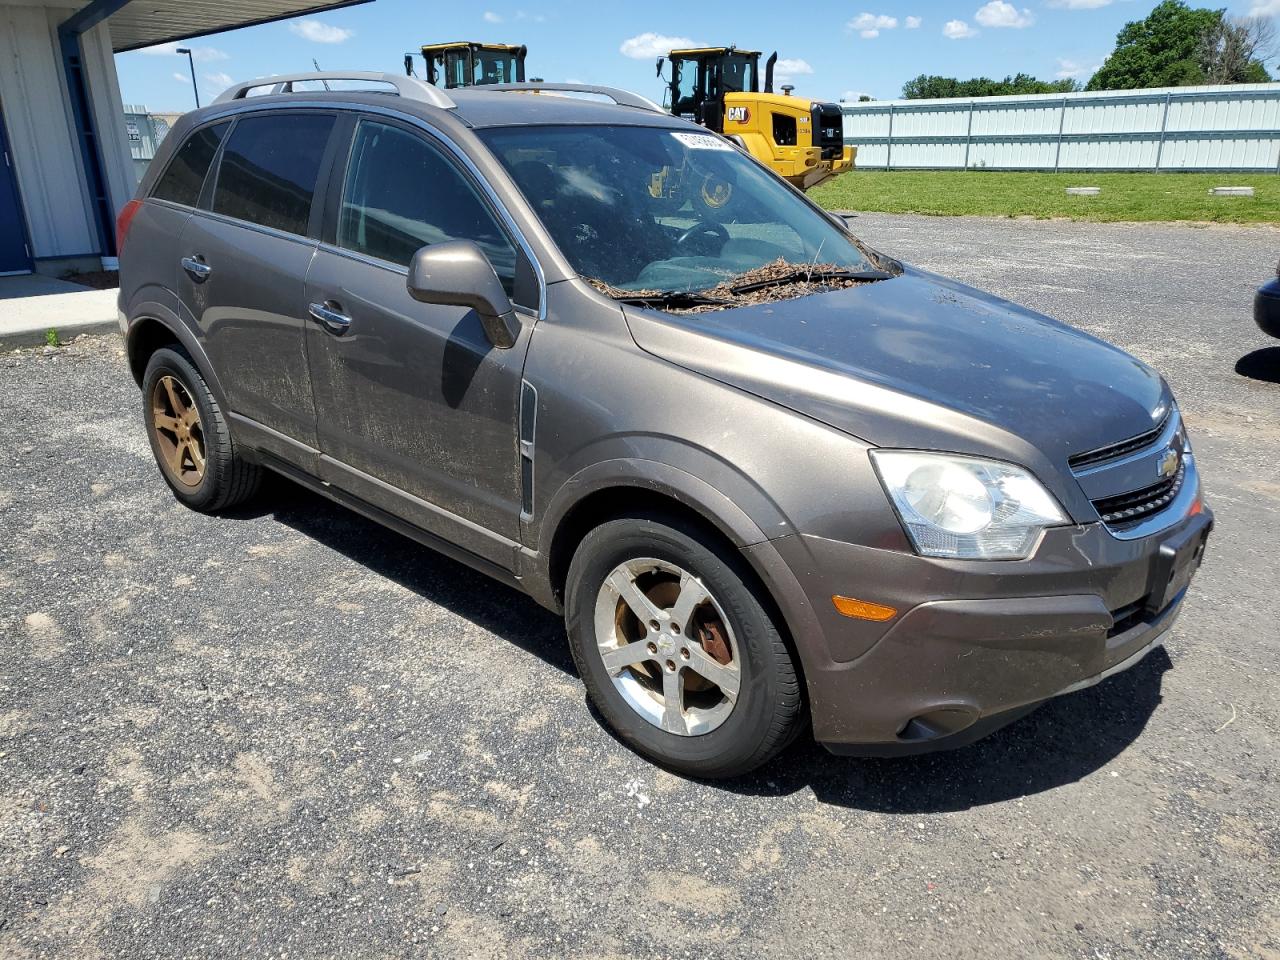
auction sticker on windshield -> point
(702, 141)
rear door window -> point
(184, 178)
(269, 169)
(402, 194)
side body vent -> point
(528, 431)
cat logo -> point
(738, 114)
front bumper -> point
(979, 644)
(1266, 308)
(813, 170)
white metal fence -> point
(1234, 127)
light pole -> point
(191, 60)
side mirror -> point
(841, 220)
(459, 274)
(661, 61)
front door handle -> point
(327, 316)
(198, 269)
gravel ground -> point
(289, 732)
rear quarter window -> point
(269, 169)
(184, 177)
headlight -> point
(965, 507)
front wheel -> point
(676, 650)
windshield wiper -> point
(811, 276)
(674, 300)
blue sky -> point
(830, 49)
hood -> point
(925, 362)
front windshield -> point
(662, 209)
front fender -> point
(745, 531)
(657, 477)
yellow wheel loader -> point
(465, 63)
(719, 87)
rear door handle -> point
(328, 317)
(196, 266)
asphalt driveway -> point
(288, 732)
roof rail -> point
(411, 88)
(623, 98)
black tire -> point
(229, 478)
(768, 711)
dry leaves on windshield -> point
(724, 291)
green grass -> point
(1125, 196)
(51, 338)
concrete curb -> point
(35, 337)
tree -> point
(926, 87)
(1234, 51)
(1177, 46)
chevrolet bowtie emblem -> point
(1168, 465)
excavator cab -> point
(720, 88)
(470, 64)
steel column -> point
(968, 136)
(1062, 123)
(888, 153)
(1164, 125)
(69, 34)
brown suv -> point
(605, 357)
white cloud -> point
(219, 81)
(535, 17)
(1265, 8)
(1080, 4)
(792, 68)
(869, 25)
(912, 23)
(491, 17)
(182, 78)
(998, 13)
(199, 54)
(319, 32)
(1070, 69)
(649, 45)
(958, 30)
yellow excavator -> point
(719, 87)
(466, 63)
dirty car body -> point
(1008, 508)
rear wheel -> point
(676, 650)
(190, 437)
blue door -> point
(14, 257)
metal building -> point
(1224, 128)
(67, 167)
(144, 132)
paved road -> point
(287, 731)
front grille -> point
(1129, 509)
(828, 130)
(1115, 451)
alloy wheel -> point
(175, 422)
(667, 646)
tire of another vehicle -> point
(229, 478)
(767, 714)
